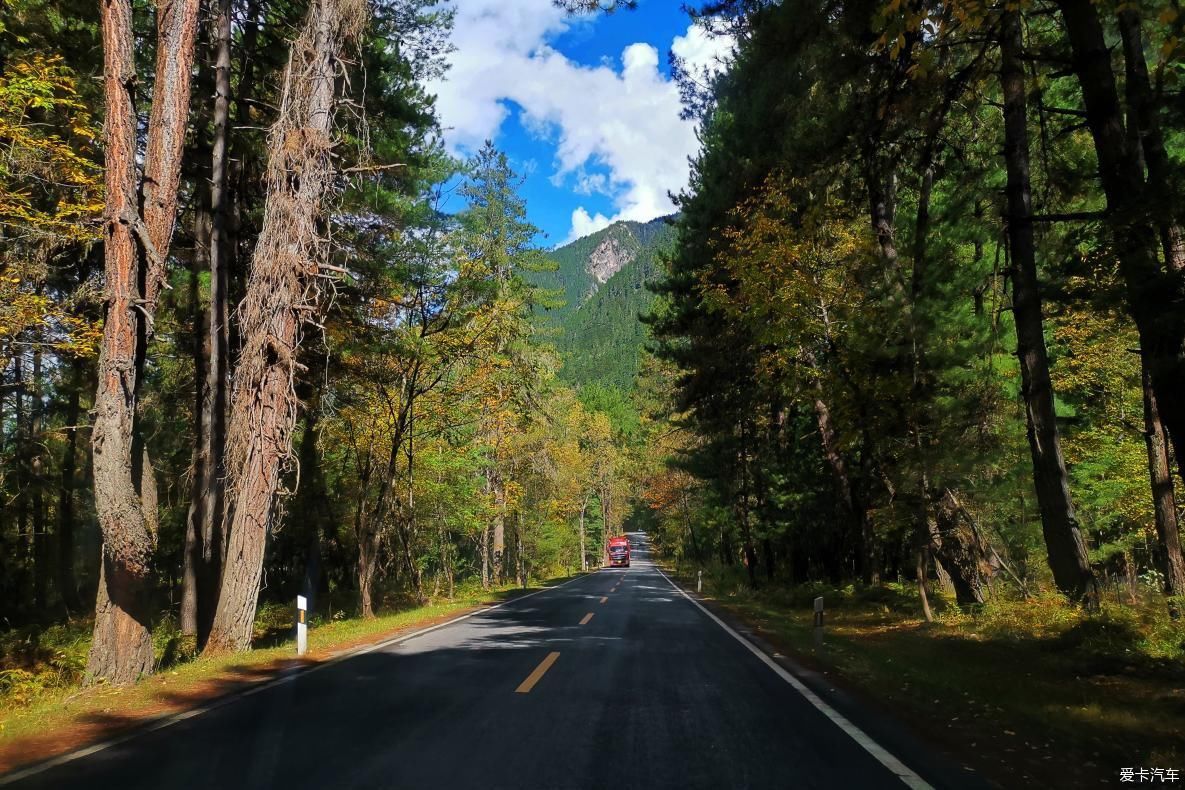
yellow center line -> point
(604, 598)
(587, 617)
(533, 678)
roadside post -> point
(302, 625)
(699, 581)
(819, 621)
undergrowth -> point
(1124, 631)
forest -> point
(917, 326)
(924, 316)
(248, 352)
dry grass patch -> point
(1032, 691)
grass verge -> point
(1026, 692)
(42, 719)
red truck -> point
(619, 552)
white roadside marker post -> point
(302, 626)
(699, 581)
(819, 621)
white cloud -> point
(701, 51)
(622, 120)
(584, 225)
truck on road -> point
(619, 552)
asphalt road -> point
(612, 680)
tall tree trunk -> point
(1164, 501)
(882, 200)
(603, 496)
(851, 513)
(498, 529)
(285, 267)
(957, 549)
(23, 538)
(520, 559)
(368, 555)
(583, 552)
(124, 491)
(7, 591)
(744, 510)
(925, 517)
(191, 556)
(313, 501)
(67, 583)
(687, 521)
(1155, 294)
(37, 499)
(483, 546)
(212, 539)
(1063, 538)
(920, 555)
(1144, 127)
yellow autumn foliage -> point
(50, 199)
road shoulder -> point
(93, 719)
(938, 766)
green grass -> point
(1033, 690)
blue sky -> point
(584, 107)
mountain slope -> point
(603, 278)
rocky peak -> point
(608, 258)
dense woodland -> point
(921, 317)
(261, 335)
(925, 315)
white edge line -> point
(288, 675)
(882, 755)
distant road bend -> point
(614, 679)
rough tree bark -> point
(1063, 538)
(1164, 501)
(124, 490)
(282, 294)
(958, 547)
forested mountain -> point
(602, 279)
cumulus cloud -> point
(702, 51)
(615, 126)
(584, 225)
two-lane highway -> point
(615, 679)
